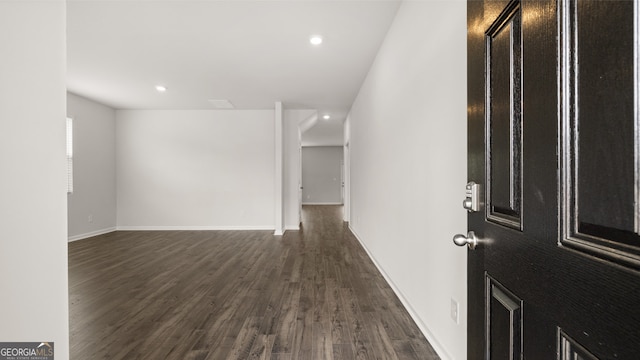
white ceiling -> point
(252, 53)
(324, 133)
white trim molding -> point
(193, 228)
(322, 203)
(90, 234)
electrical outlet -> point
(454, 310)
(90, 218)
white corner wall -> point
(347, 169)
(195, 169)
(33, 209)
(92, 205)
(408, 165)
(293, 118)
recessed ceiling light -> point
(326, 117)
(315, 40)
(161, 88)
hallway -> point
(310, 294)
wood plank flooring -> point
(310, 294)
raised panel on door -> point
(503, 118)
(569, 349)
(504, 322)
(600, 148)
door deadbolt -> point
(471, 201)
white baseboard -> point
(192, 228)
(90, 234)
(286, 228)
(322, 203)
(173, 228)
(423, 328)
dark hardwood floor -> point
(310, 294)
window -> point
(69, 155)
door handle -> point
(470, 240)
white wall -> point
(33, 205)
(92, 205)
(95, 168)
(408, 165)
(347, 169)
(292, 168)
(195, 169)
(322, 174)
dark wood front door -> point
(553, 140)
